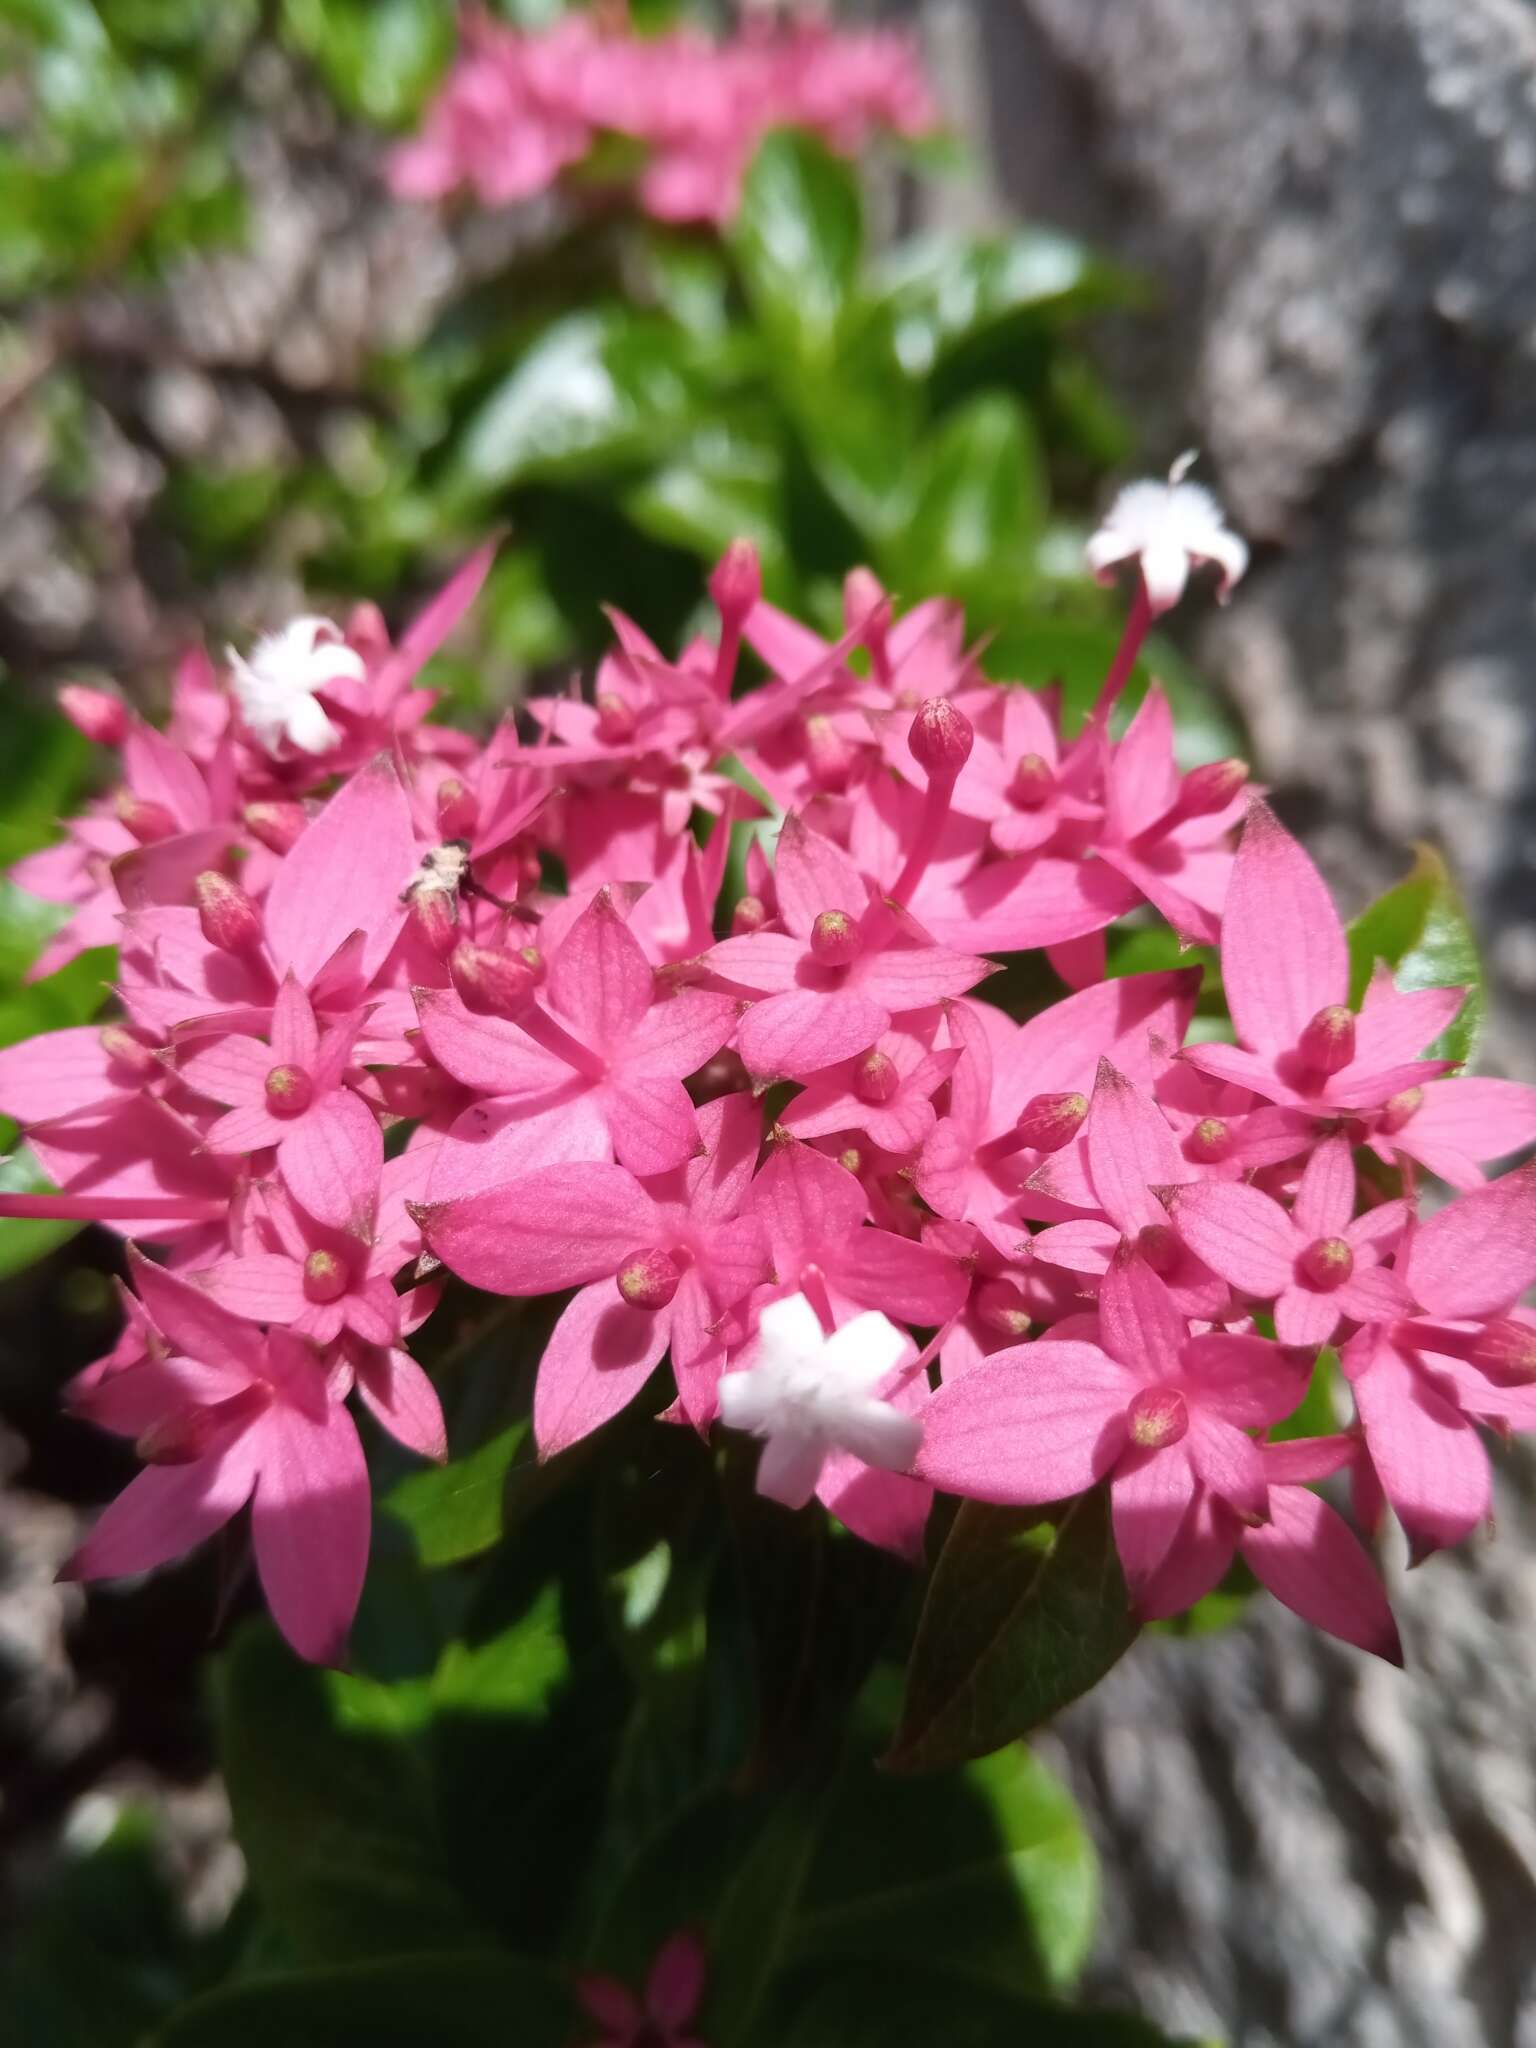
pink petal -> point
(652, 1122)
(1428, 1458)
(1031, 1424)
(674, 1991)
(249, 1129)
(1080, 1247)
(675, 1038)
(797, 1034)
(1282, 945)
(1306, 1316)
(1138, 1322)
(1374, 1295)
(1228, 1463)
(599, 980)
(232, 1070)
(157, 770)
(807, 1203)
(556, 1227)
(488, 1054)
(811, 875)
(1130, 1149)
(1477, 1255)
(164, 873)
(1244, 1380)
(192, 1323)
(331, 1158)
(1014, 905)
(398, 1393)
(1149, 1496)
(1325, 1195)
(1463, 1121)
(610, 2003)
(731, 1131)
(599, 1355)
(770, 963)
(911, 1282)
(1199, 1559)
(162, 1514)
(1396, 1024)
(59, 1074)
(295, 1034)
(1311, 1560)
(493, 1143)
(1251, 1070)
(310, 1526)
(1240, 1234)
(263, 1287)
(432, 625)
(345, 874)
(884, 1508)
(913, 977)
(1143, 779)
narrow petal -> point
(232, 1070)
(557, 1227)
(1325, 1196)
(345, 874)
(398, 1393)
(599, 979)
(192, 1323)
(331, 1159)
(162, 1514)
(1245, 1380)
(1305, 1316)
(1031, 1424)
(60, 1074)
(1313, 1563)
(1227, 1462)
(1240, 1234)
(599, 1355)
(1149, 1497)
(912, 1282)
(1130, 1149)
(675, 1038)
(674, 1990)
(310, 1526)
(1477, 1255)
(295, 1034)
(488, 1054)
(1431, 1465)
(1282, 945)
(1138, 1321)
(1397, 1024)
(811, 875)
(800, 1032)
(264, 1287)
(653, 1123)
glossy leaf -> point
(1026, 1610)
(798, 239)
(378, 57)
(977, 505)
(1422, 931)
(455, 1511)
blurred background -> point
(240, 379)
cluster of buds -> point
(1008, 1260)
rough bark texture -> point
(1302, 1847)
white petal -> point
(879, 1434)
(790, 1329)
(790, 1467)
(308, 727)
(1164, 570)
(748, 1400)
(862, 1352)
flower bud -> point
(876, 1078)
(290, 1091)
(147, 820)
(1047, 1122)
(1033, 784)
(941, 737)
(325, 1277)
(126, 1051)
(101, 717)
(1327, 1263)
(1401, 1109)
(1211, 787)
(750, 915)
(1157, 1417)
(494, 984)
(458, 811)
(828, 755)
(1506, 1351)
(230, 920)
(1000, 1307)
(736, 583)
(434, 913)
(649, 1278)
(835, 939)
(1327, 1043)
(1210, 1140)
(616, 720)
(277, 825)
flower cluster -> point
(754, 1110)
(523, 108)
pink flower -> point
(226, 1417)
(674, 1992)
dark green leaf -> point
(1422, 931)
(454, 1511)
(798, 239)
(459, 2001)
(976, 507)
(914, 2008)
(1026, 1610)
(995, 1856)
(378, 57)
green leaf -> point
(333, 1809)
(1026, 1609)
(1422, 931)
(996, 1856)
(597, 391)
(976, 508)
(718, 488)
(798, 239)
(458, 2001)
(914, 2008)
(455, 1511)
(379, 58)
(43, 767)
(948, 293)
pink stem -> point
(813, 1286)
(1136, 629)
(930, 827)
(110, 1208)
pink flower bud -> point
(325, 1277)
(750, 915)
(1506, 1351)
(131, 1053)
(458, 810)
(827, 753)
(1327, 1043)
(736, 583)
(1327, 1263)
(616, 720)
(101, 717)
(1211, 787)
(1159, 1247)
(648, 1278)
(435, 915)
(876, 1079)
(1157, 1417)
(147, 820)
(1210, 1140)
(494, 984)
(230, 920)
(941, 737)
(835, 938)
(1401, 1109)
(1047, 1122)
(1000, 1307)
(277, 825)
(1033, 784)
(290, 1091)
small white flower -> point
(1170, 527)
(807, 1394)
(275, 686)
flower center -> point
(1327, 1263)
(1210, 1140)
(834, 938)
(290, 1091)
(325, 1277)
(1157, 1417)
(648, 1278)
(1033, 784)
(1328, 1042)
(875, 1078)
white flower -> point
(1170, 527)
(808, 1394)
(275, 687)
